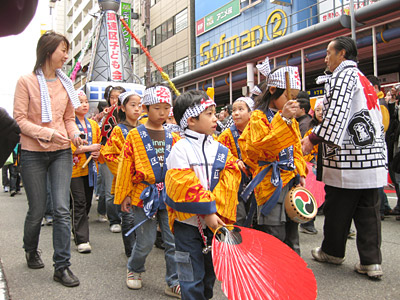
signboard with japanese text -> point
(114, 46)
(218, 17)
(335, 8)
(126, 13)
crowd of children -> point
(174, 173)
(171, 171)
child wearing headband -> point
(84, 179)
(202, 182)
(140, 185)
(111, 95)
(270, 146)
(128, 115)
(241, 112)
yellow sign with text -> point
(246, 39)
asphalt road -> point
(102, 272)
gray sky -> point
(18, 55)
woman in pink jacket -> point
(44, 109)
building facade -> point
(208, 43)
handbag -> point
(10, 160)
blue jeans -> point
(145, 238)
(34, 169)
(49, 203)
(195, 269)
(113, 210)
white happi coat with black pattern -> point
(354, 155)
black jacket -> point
(9, 135)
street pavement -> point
(102, 273)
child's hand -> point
(289, 109)
(95, 154)
(213, 221)
(126, 204)
(243, 168)
(302, 181)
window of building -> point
(143, 40)
(181, 66)
(170, 27)
(181, 21)
(153, 37)
(164, 33)
(154, 2)
(245, 4)
(158, 35)
(169, 69)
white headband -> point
(158, 94)
(256, 90)
(81, 93)
(122, 97)
(277, 78)
(247, 100)
(320, 101)
(195, 111)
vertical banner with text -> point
(126, 13)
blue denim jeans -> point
(49, 203)
(145, 238)
(34, 169)
(195, 269)
(113, 210)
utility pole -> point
(148, 40)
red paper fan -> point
(254, 265)
(317, 188)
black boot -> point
(66, 277)
(33, 260)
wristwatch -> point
(288, 121)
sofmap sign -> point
(256, 23)
(275, 26)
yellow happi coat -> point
(187, 192)
(226, 139)
(262, 141)
(79, 159)
(314, 151)
(111, 152)
(134, 168)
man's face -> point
(333, 58)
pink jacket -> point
(35, 135)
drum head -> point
(300, 205)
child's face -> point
(114, 97)
(281, 101)
(171, 120)
(158, 113)
(206, 123)
(132, 109)
(318, 113)
(84, 108)
(240, 114)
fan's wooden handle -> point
(87, 161)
